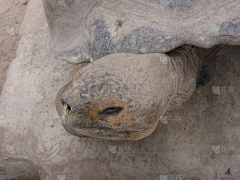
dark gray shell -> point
(88, 30)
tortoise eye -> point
(111, 110)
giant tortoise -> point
(142, 58)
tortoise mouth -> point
(95, 128)
(107, 132)
(79, 123)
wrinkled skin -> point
(122, 96)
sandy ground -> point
(11, 16)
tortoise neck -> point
(186, 64)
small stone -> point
(24, 2)
(16, 2)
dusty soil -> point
(11, 16)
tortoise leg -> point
(207, 71)
(206, 75)
(17, 169)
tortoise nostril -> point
(111, 110)
(69, 108)
(63, 102)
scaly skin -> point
(122, 96)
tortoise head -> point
(120, 96)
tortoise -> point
(143, 57)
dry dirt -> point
(11, 16)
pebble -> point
(24, 2)
(16, 2)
